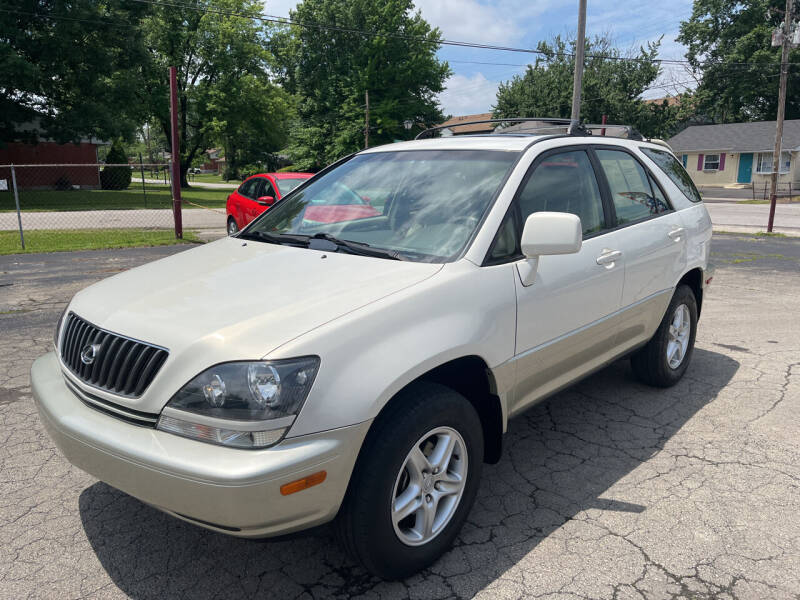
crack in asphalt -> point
(609, 489)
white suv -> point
(362, 365)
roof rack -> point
(572, 127)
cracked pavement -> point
(609, 489)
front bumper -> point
(229, 490)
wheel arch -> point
(694, 279)
(471, 377)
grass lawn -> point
(154, 196)
(62, 240)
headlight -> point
(241, 404)
(57, 332)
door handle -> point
(608, 258)
(676, 234)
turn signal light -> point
(305, 482)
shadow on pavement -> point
(559, 458)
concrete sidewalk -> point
(192, 184)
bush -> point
(249, 170)
(116, 178)
(63, 184)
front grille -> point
(120, 365)
(135, 417)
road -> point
(737, 217)
(610, 489)
(198, 184)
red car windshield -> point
(424, 205)
(287, 185)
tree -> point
(729, 45)
(612, 85)
(220, 50)
(330, 71)
(116, 177)
(67, 69)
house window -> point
(765, 162)
(711, 162)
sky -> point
(523, 23)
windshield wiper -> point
(360, 248)
(275, 238)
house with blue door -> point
(738, 152)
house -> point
(58, 158)
(214, 161)
(454, 127)
(738, 152)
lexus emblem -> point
(89, 353)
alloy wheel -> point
(680, 327)
(429, 486)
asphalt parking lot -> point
(608, 490)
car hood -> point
(236, 300)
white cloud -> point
(470, 20)
(468, 95)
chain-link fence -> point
(101, 202)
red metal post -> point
(175, 153)
(603, 122)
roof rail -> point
(573, 126)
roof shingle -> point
(758, 136)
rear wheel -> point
(415, 482)
(232, 226)
(665, 358)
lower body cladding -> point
(229, 490)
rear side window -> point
(565, 182)
(631, 192)
(675, 171)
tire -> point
(365, 526)
(233, 228)
(655, 364)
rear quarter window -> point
(673, 169)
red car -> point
(257, 194)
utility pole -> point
(366, 124)
(776, 155)
(579, 52)
(175, 156)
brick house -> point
(47, 152)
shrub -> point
(116, 178)
(63, 184)
(248, 170)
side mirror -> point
(547, 233)
(551, 233)
(266, 200)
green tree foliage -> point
(116, 177)
(722, 35)
(329, 72)
(611, 86)
(222, 61)
(64, 68)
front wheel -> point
(415, 482)
(233, 228)
(665, 358)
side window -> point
(667, 162)
(267, 189)
(662, 204)
(630, 186)
(248, 188)
(505, 243)
(564, 182)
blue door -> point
(745, 168)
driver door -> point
(565, 324)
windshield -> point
(424, 205)
(287, 185)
